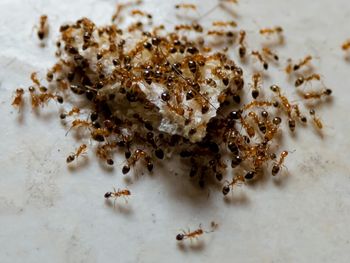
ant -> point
(300, 81)
(261, 124)
(43, 30)
(346, 45)
(242, 49)
(34, 97)
(18, 100)
(317, 95)
(286, 104)
(224, 24)
(45, 97)
(194, 234)
(277, 166)
(269, 53)
(80, 151)
(79, 123)
(249, 129)
(270, 31)
(186, 6)
(261, 59)
(237, 180)
(116, 194)
(257, 79)
(216, 33)
(136, 156)
(302, 63)
(301, 117)
(74, 110)
(99, 134)
(141, 13)
(183, 27)
(317, 121)
(34, 78)
(256, 103)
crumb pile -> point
(157, 93)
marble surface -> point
(50, 213)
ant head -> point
(108, 195)
(180, 237)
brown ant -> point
(224, 23)
(183, 27)
(266, 51)
(261, 125)
(257, 79)
(116, 194)
(136, 156)
(79, 123)
(256, 103)
(261, 59)
(302, 63)
(289, 68)
(249, 129)
(81, 150)
(34, 97)
(104, 151)
(191, 234)
(74, 110)
(242, 49)
(186, 6)
(317, 121)
(18, 100)
(270, 31)
(34, 78)
(236, 181)
(216, 33)
(43, 30)
(286, 104)
(317, 95)
(45, 97)
(300, 81)
(140, 13)
(301, 117)
(277, 166)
